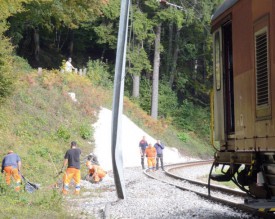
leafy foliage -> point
(139, 61)
(193, 118)
(98, 73)
(85, 131)
(8, 8)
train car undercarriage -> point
(252, 172)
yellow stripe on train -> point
(266, 209)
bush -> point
(63, 133)
(145, 94)
(98, 73)
(167, 101)
(21, 65)
(183, 136)
(193, 118)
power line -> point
(165, 2)
(184, 8)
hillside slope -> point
(40, 120)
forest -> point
(169, 51)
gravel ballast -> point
(145, 198)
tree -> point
(52, 22)
(160, 15)
(155, 87)
(138, 60)
(8, 8)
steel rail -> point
(235, 205)
(199, 183)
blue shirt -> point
(159, 148)
(143, 144)
(10, 160)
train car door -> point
(228, 80)
(224, 121)
(219, 128)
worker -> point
(93, 158)
(72, 159)
(159, 148)
(142, 146)
(11, 166)
(96, 173)
(151, 154)
(68, 65)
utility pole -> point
(117, 158)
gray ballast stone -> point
(145, 198)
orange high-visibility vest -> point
(151, 152)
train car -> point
(244, 95)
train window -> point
(262, 73)
(217, 59)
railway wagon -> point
(244, 95)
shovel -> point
(29, 187)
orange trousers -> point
(151, 161)
(12, 172)
(69, 174)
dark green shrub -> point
(63, 133)
(85, 131)
(98, 73)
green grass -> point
(38, 122)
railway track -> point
(218, 194)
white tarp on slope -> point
(131, 135)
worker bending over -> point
(11, 165)
(96, 173)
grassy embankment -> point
(38, 122)
(40, 119)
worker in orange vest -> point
(151, 154)
(96, 173)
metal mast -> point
(117, 159)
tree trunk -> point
(204, 65)
(136, 80)
(71, 43)
(175, 59)
(169, 52)
(194, 76)
(36, 44)
(155, 87)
